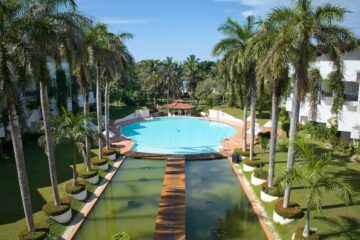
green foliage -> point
(299, 235)
(87, 174)
(284, 120)
(62, 89)
(120, 236)
(337, 87)
(252, 163)
(107, 152)
(276, 191)
(260, 173)
(41, 232)
(98, 162)
(292, 211)
(71, 189)
(323, 133)
(51, 210)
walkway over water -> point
(170, 221)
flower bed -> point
(299, 235)
(293, 210)
(51, 210)
(71, 189)
(276, 191)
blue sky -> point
(178, 28)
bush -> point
(260, 173)
(71, 189)
(87, 174)
(121, 236)
(107, 152)
(277, 191)
(245, 153)
(253, 163)
(292, 211)
(98, 162)
(41, 232)
(51, 210)
(299, 235)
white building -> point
(349, 116)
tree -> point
(316, 173)
(306, 30)
(70, 128)
(170, 76)
(14, 59)
(314, 92)
(191, 72)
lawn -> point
(239, 113)
(337, 220)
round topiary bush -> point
(87, 174)
(41, 232)
(107, 152)
(299, 235)
(260, 173)
(276, 191)
(51, 210)
(252, 163)
(292, 211)
(98, 162)
(71, 189)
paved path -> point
(170, 221)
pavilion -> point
(179, 107)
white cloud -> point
(124, 21)
(248, 13)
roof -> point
(179, 104)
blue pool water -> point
(177, 135)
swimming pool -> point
(177, 135)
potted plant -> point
(41, 232)
(101, 164)
(109, 153)
(78, 191)
(61, 213)
(259, 176)
(270, 194)
(287, 215)
(251, 165)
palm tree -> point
(70, 128)
(47, 23)
(304, 31)
(169, 71)
(317, 174)
(13, 63)
(191, 72)
(315, 80)
(235, 45)
(275, 76)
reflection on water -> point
(129, 203)
(216, 206)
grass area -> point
(239, 113)
(120, 110)
(337, 220)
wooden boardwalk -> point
(170, 221)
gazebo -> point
(179, 107)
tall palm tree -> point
(235, 45)
(306, 30)
(275, 76)
(47, 22)
(191, 72)
(13, 63)
(169, 71)
(317, 174)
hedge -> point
(87, 174)
(252, 163)
(276, 191)
(107, 152)
(71, 189)
(98, 162)
(51, 210)
(243, 153)
(260, 173)
(299, 235)
(292, 211)
(41, 232)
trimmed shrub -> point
(276, 191)
(98, 162)
(87, 174)
(51, 210)
(41, 232)
(120, 236)
(242, 153)
(299, 235)
(260, 173)
(253, 163)
(292, 211)
(71, 189)
(107, 152)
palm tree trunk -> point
(107, 115)
(49, 141)
(75, 181)
(20, 163)
(87, 141)
(306, 232)
(245, 124)
(98, 109)
(274, 125)
(295, 111)
(252, 123)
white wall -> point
(218, 114)
(140, 113)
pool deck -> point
(170, 220)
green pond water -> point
(216, 205)
(129, 203)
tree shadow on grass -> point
(345, 227)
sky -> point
(178, 28)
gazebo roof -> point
(179, 104)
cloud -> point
(248, 13)
(124, 21)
